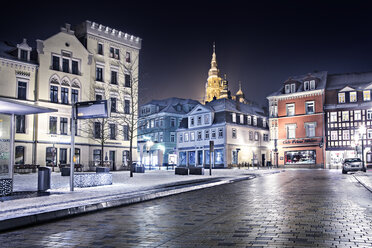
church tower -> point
(215, 86)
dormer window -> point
(366, 95)
(290, 88)
(24, 51)
(287, 88)
(306, 85)
(353, 96)
(341, 97)
(293, 88)
(24, 55)
(312, 84)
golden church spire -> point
(214, 70)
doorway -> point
(112, 159)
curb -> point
(119, 201)
(363, 184)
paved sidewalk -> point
(364, 178)
(60, 202)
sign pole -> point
(211, 148)
(72, 153)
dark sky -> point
(260, 44)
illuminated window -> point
(249, 120)
(366, 95)
(333, 116)
(310, 129)
(290, 109)
(353, 96)
(334, 135)
(341, 97)
(357, 115)
(346, 135)
(233, 117)
(291, 131)
(345, 115)
(369, 114)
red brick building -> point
(297, 122)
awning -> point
(18, 107)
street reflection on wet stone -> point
(295, 208)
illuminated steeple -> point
(240, 92)
(214, 70)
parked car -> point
(352, 164)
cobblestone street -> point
(295, 208)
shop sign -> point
(299, 141)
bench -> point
(25, 168)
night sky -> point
(260, 44)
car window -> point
(352, 160)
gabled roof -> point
(354, 80)
(230, 105)
(169, 105)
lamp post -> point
(362, 131)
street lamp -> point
(362, 130)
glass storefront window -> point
(218, 156)
(182, 158)
(4, 146)
(300, 157)
(192, 158)
(206, 156)
(200, 157)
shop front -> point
(201, 158)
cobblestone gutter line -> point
(109, 202)
(363, 183)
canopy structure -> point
(9, 108)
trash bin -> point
(43, 179)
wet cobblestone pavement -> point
(296, 208)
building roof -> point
(169, 105)
(230, 105)
(321, 76)
(355, 80)
(8, 50)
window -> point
(290, 109)
(263, 122)
(254, 120)
(241, 120)
(172, 137)
(127, 57)
(113, 105)
(357, 115)
(97, 130)
(369, 114)
(218, 156)
(62, 155)
(54, 93)
(310, 107)
(300, 157)
(293, 88)
(20, 124)
(97, 155)
(100, 49)
(220, 133)
(369, 133)
(112, 131)
(114, 77)
(192, 121)
(291, 131)
(24, 55)
(250, 135)
(63, 125)
(265, 137)
(199, 120)
(51, 155)
(334, 135)
(99, 74)
(213, 134)
(256, 136)
(22, 90)
(341, 97)
(233, 117)
(161, 122)
(114, 53)
(74, 96)
(55, 63)
(126, 132)
(65, 65)
(233, 133)
(199, 135)
(173, 122)
(306, 85)
(345, 115)
(310, 129)
(206, 119)
(181, 138)
(249, 120)
(125, 158)
(287, 88)
(53, 125)
(98, 97)
(312, 84)
(19, 155)
(192, 136)
(75, 67)
(156, 122)
(186, 137)
(366, 95)
(127, 107)
(333, 116)
(353, 96)
(64, 95)
(152, 123)
(206, 134)
(346, 135)
(127, 81)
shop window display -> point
(300, 157)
